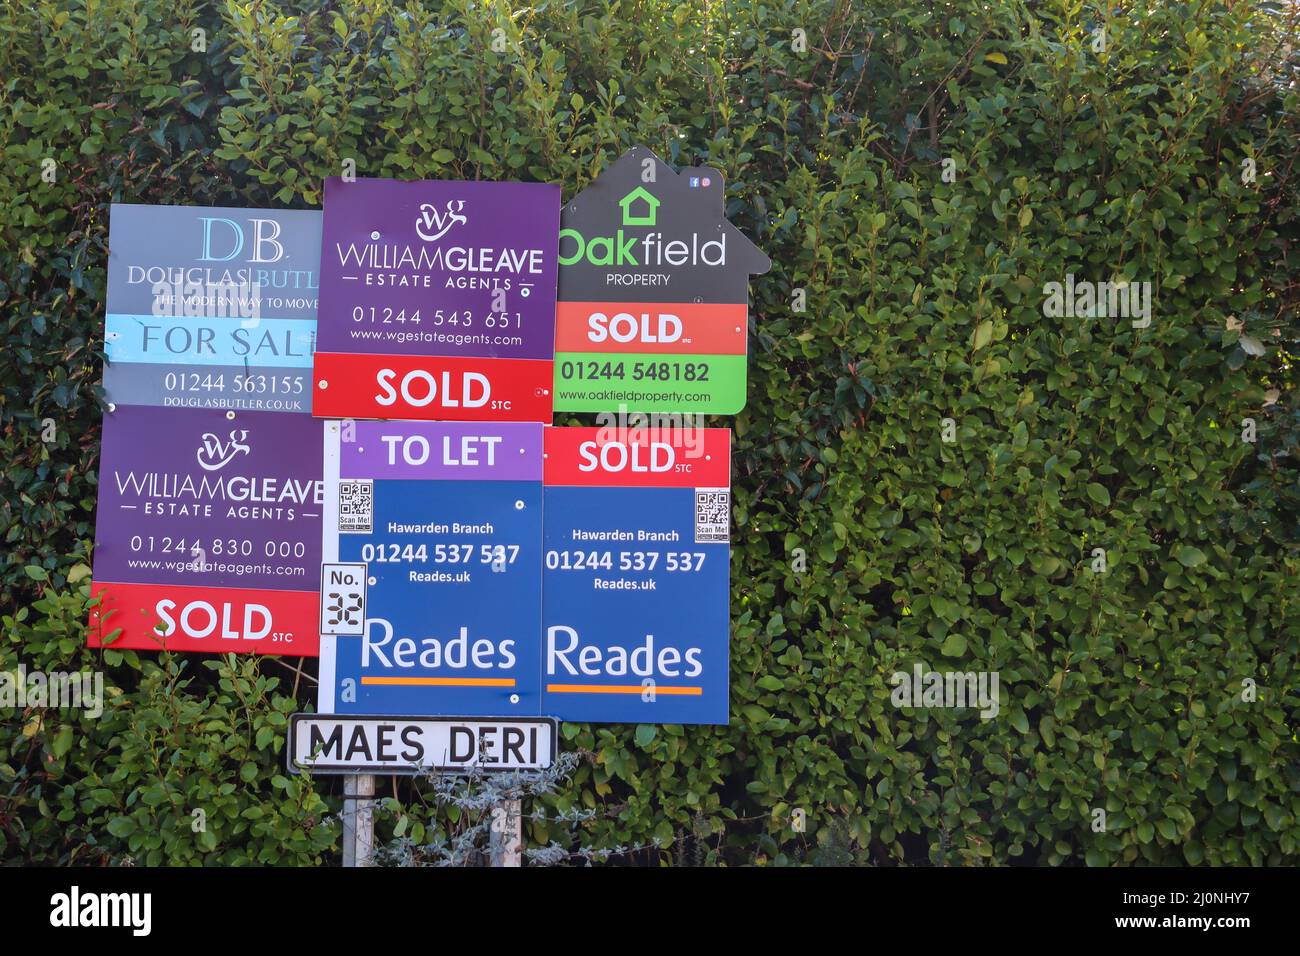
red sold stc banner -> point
(432, 388)
(638, 457)
(658, 328)
(174, 617)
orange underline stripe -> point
(441, 681)
(620, 689)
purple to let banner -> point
(444, 451)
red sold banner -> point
(432, 388)
(673, 328)
(173, 617)
(638, 457)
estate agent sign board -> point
(438, 301)
(654, 291)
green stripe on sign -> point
(599, 382)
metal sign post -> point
(358, 819)
(507, 834)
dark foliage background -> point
(1121, 691)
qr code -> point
(712, 515)
(356, 507)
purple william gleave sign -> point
(197, 497)
(439, 268)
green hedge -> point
(864, 542)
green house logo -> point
(651, 206)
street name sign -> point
(333, 744)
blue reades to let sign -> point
(452, 622)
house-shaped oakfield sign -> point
(653, 292)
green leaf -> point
(121, 827)
(1188, 556)
(1047, 730)
(953, 646)
(1098, 493)
(62, 742)
(645, 734)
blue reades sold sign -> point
(446, 519)
(637, 565)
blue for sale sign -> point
(447, 520)
(637, 567)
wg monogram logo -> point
(216, 454)
(431, 219)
